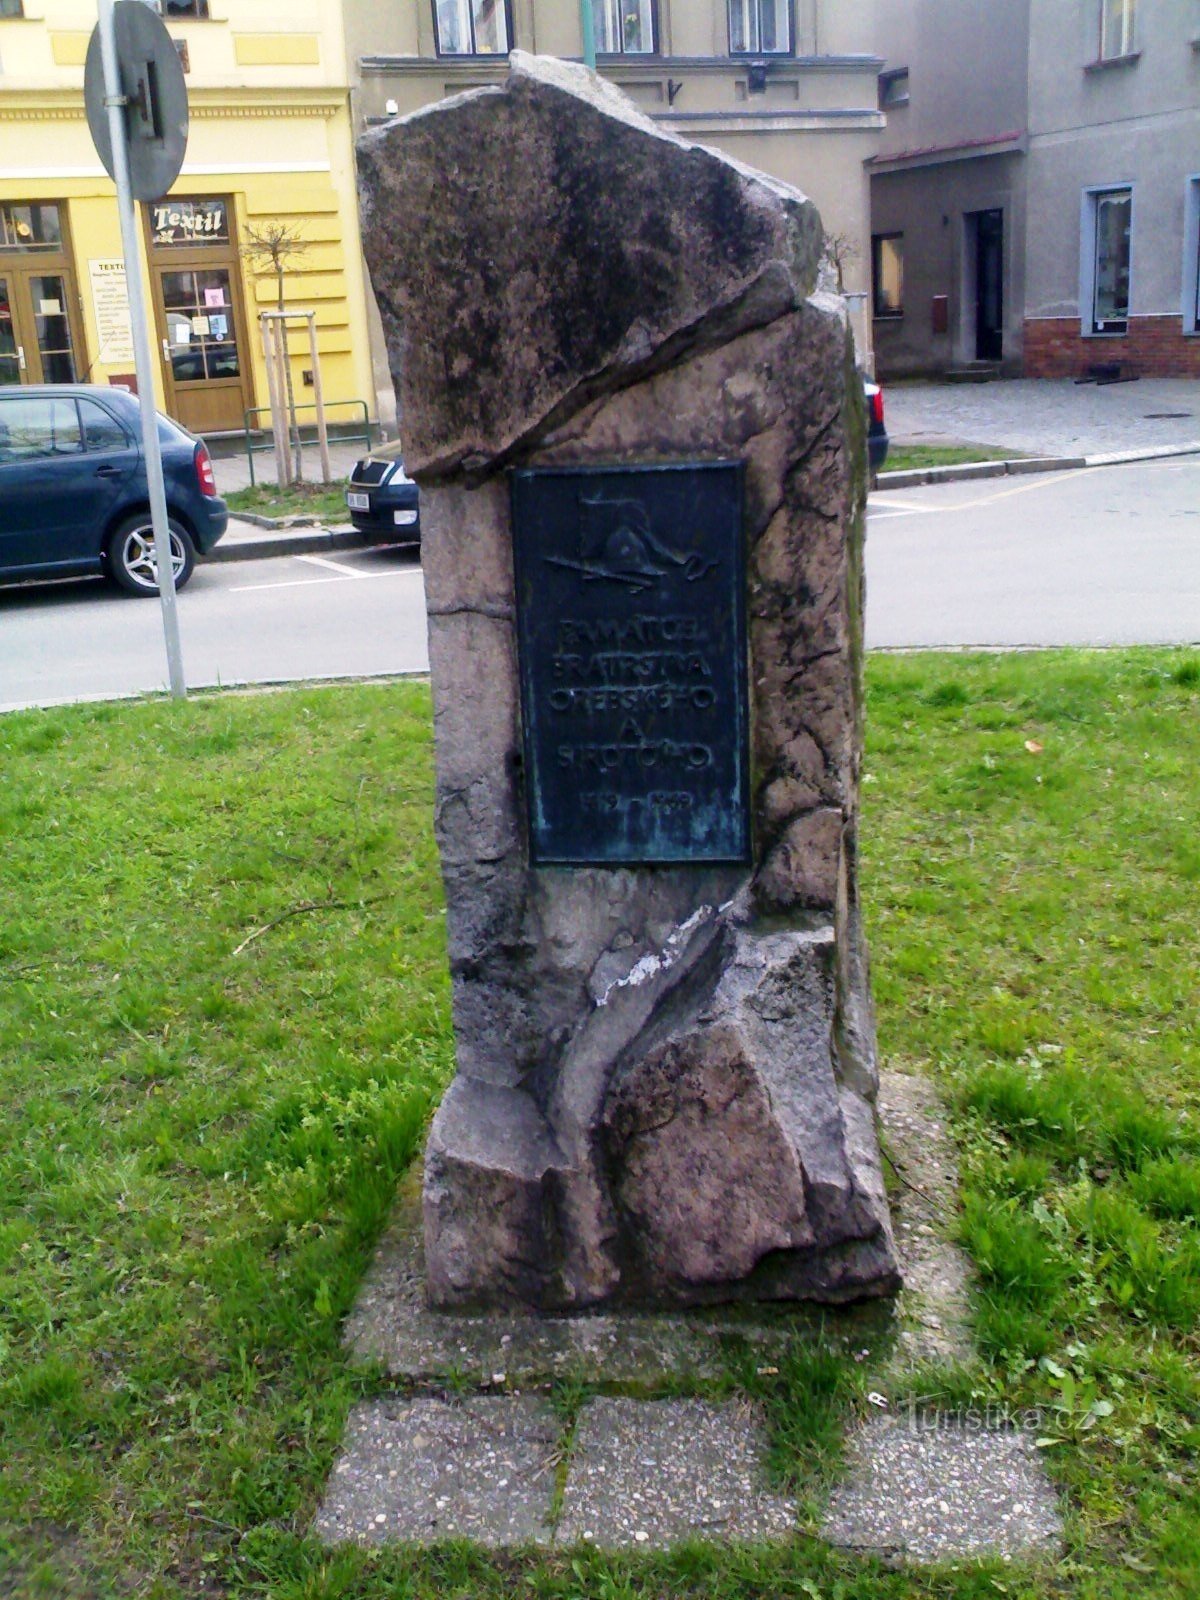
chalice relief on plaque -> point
(618, 544)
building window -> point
(185, 8)
(1116, 28)
(1113, 214)
(1191, 270)
(12, 8)
(887, 274)
(472, 27)
(893, 88)
(760, 27)
(37, 226)
(625, 27)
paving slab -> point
(424, 1469)
(647, 1474)
(931, 1487)
(1048, 416)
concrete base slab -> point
(928, 1489)
(392, 1324)
(933, 1309)
(650, 1474)
(421, 1470)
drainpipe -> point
(587, 20)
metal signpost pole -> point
(587, 18)
(115, 103)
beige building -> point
(788, 86)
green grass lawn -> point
(224, 1022)
(299, 499)
(915, 457)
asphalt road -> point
(1107, 556)
(348, 614)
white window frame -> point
(474, 53)
(753, 19)
(609, 15)
(1191, 255)
(1089, 210)
(1125, 44)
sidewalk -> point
(1048, 416)
(242, 541)
(233, 468)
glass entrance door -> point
(10, 344)
(197, 295)
(39, 311)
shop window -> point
(760, 27)
(1116, 28)
(887, 274)
(189, 222)
(37, 226)
(1111, 219)
(625, 27)
(472, 27)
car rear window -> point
(38, 426)
(102, 431)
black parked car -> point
(877, 436)
(73, 493)
(384, 503)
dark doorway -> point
(989, 285)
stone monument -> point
(628, 393)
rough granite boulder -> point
(666, 1073)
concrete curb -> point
(1025, 464)
(978, 469)
(296, 520)
(293, 542)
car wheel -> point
(131, 559)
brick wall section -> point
(1154, 347)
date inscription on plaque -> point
(632, 645)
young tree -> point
(272, 248)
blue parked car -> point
(73, 495)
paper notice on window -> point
(181, 333)
(110, 303)
(214, 298)
(50, 308)
(200, 327)
(218, 327)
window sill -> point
(1109, 63)
(1096, 333)
(887, 316)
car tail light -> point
(877, 407)
(205, 476)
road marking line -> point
(311, 583)
(334, 566)
(1046, 481)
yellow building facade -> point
(270, 149)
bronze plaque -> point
(632, 643)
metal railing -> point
(266, 441)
